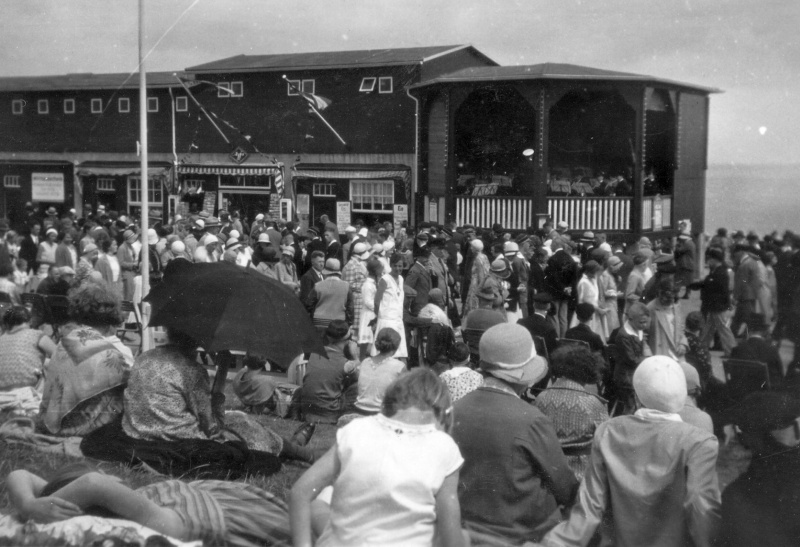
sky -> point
(749, 49)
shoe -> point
(304, 433)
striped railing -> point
(591, 213)
(514, 213)
(649, 210)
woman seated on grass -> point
(174, 423)
(216, 512)
(394, 475)
(377, 372)
(87, 374)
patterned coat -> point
(355, 273)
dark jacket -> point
(584, 333)
(715, 292)
(562, 272)
(540, 326)
(756, 348)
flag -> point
(316, 102)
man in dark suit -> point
(316, 244)
(536, 276)
(562, 274)
(29, 247)
(715, 300)
(333, 248)
(312, 276)
(420, 280)
(582, 331)
(758, 348)
(538, 324)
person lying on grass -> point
(216, 512)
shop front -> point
(249, 189)
(347, 193)
(43, 183)
(118, 186)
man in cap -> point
(327, 382)
(539, 325)
(331, 298)
(651, 474)
(517, 283)
(715, 301)
(445, 281)
(350, 235)
(762, 506)
(355, 273)
(536, 275)
(514, 476)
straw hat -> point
(508, 353)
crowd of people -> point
(490, 388)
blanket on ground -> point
(22, 431)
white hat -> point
(563, 224)
(476, 245)
(507, 351)
(287, 250)
(363, 232)
(660, 384)
(510, 247)
(152, 237)
(388, 245)
(264, 238)
(360, 250)
(235, 234)
(210, 238)
(177, 247)
(232, 244)
(350, 230)
(259, 216)
(377, 249)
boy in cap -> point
(762, 506)
(515, 475)
(652, 472)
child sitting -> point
(394, 475)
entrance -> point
(322, 206)
(248, 205)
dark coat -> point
(715, 291)
(583, 332)
(756, 348)
(562, 272)
(540, 326)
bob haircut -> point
(420, 388)
(387, 340)
(395, 258)
(576, 363)
(16, 315)
(94, 304)
(694, 321)
(374, 267)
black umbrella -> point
(227, 307)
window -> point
(69, 106)
(372, 196)
(385, 84)
(152, 104)
(325, 189)
(306, 86)
(97, 106)
(105, 185)
(16, 106)
(181, 104)
(11, 181)
(124, 105)
(154, 195)
(237, 89)
(224, 89)
(367, 85)
(43, 106)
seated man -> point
(328, 383)
(539, 325)
(629, 350)
(652, 475)
(758, 348)
(761, 507)
(515, 475)
(582, 331)
(255, 387)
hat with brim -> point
(500, 269)
(152, 237)
(52, 211)
(264, 238)
(507, 352)
(684, 235)
(91, 247)
(130, 236)
(66, 270)
(361, 251)
(614, 261)
(332, 266)
(51, 231)
(485, 293)
(287, 250)
(232, 244)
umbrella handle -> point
(223, 362)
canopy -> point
(352, 171)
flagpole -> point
(203, 110)
(315, 111)
(145, 256)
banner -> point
(47, 187)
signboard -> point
(400, 215)
(433, 210)
(343, 219)
(303, 204)
(658, 216)
(210, 202)
(47, 187)
(238, 155)
(489, 189)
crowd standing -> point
(544, 387)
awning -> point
(111, 170)
(228, 170)
(352, 171)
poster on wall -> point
(209, 202)
(48, 187)
(400, 215)
(303, 204)
(342, 216)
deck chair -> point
(127, 307)
(472, 338)
(744, 377)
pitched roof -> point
(331, 59)
(88, 81)
(549, 71)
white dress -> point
(391, 313)
(368, 290)
(385, 493)
(589, 293)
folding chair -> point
(127, 307)
(541, 347)
(744, 377)
(472, 338)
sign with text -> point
(210, 202)
(47, 187)
(343, 218)
(303, 204)
(400, 215)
